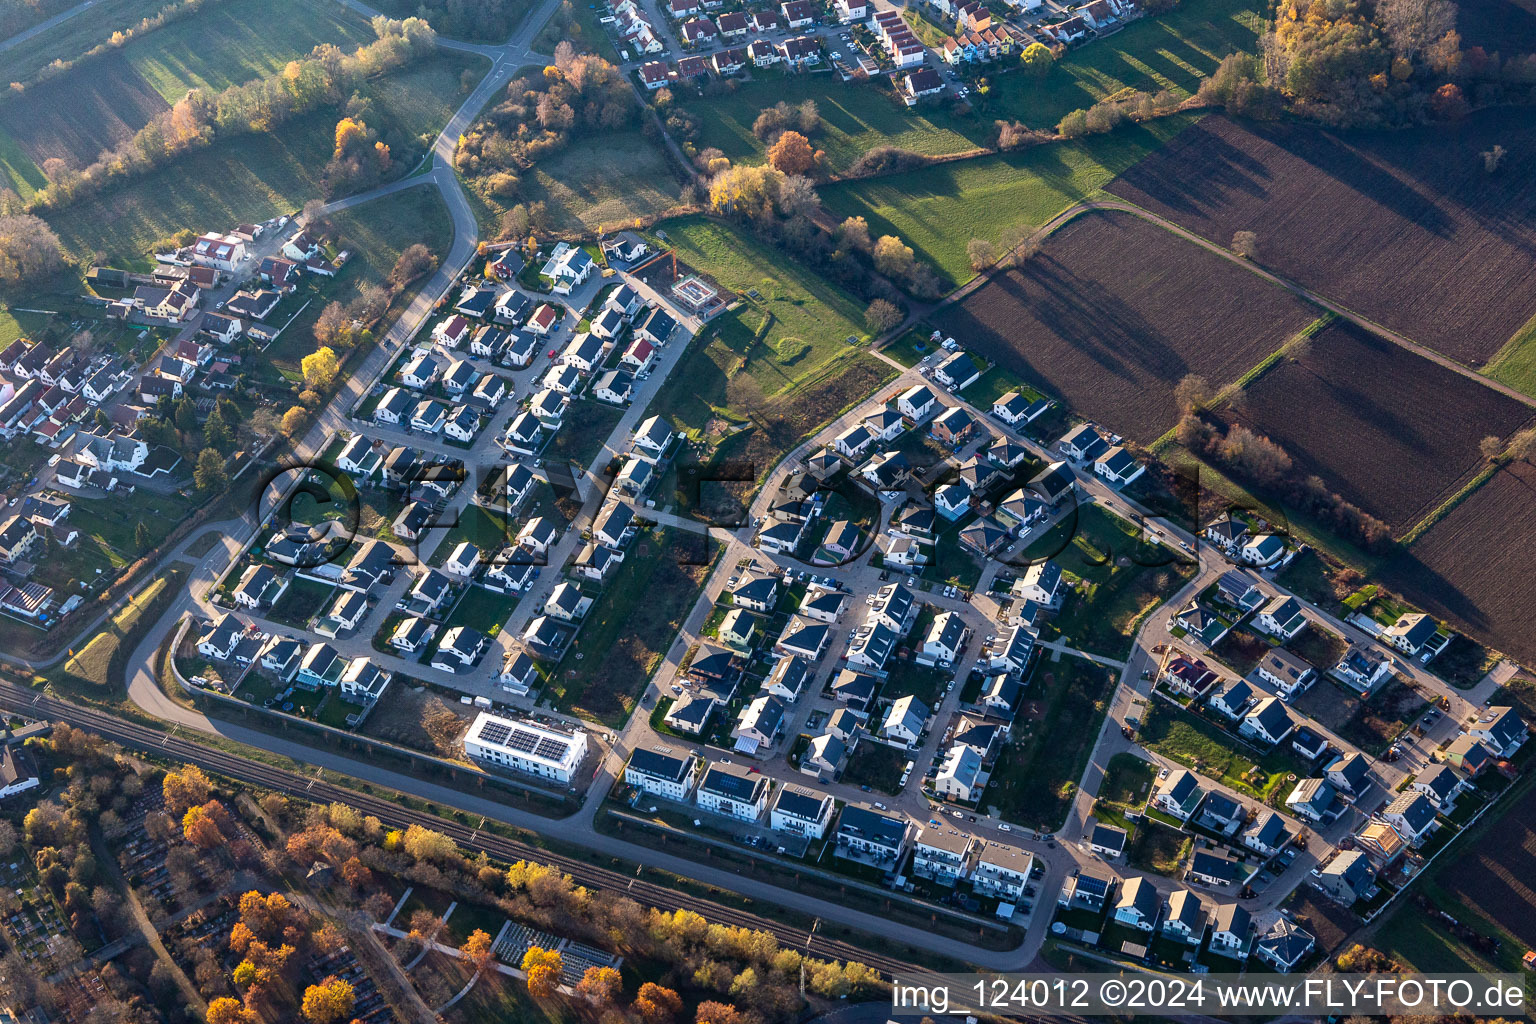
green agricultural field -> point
(75, 36)
(250, 178)
(937, 210)
(596, 184)
(855, 117)
(1171, 51)
(109, 97)
(1515, 363)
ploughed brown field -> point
(1506, 27)
(1477, 566)
(1114, 311)
(1498, 875)
(1389, 431)
(1408, 228)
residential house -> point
(1440, 784)
(803, 637)
(1410, 632)
(759, 725)
(1468, 754)
(734, 791)
(1362, 667)
(1214, 866)
(940, 856)
(800, 811)
(1083, 443)
(1281, 617)
(945, 639)
(1315, 800)
(1138, 905)
(917, 403)
(662, 771)
(1178, 794)
(1289, 673)
(1267, 833)
(1184, 917)
(1500, 729)
(1234, 699)
(1347, 878)
(874, 835)
(953, 426)
(959, 776)
(531, 747)
(905, 720)
(1412, 814)
(1284, 945)
(1232, 931)
(460, 648)
(1350, 774)
(219, 638)
(1002, 871)
(412, 634)
(1107, 840)
(1268, 722)
(1118, 466)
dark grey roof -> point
(872, 826)
(660, 762)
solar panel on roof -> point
(494, 732)
(552, 750)
(522, 741)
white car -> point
(1005, 827)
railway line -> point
(143, 738)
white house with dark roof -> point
(1281, 616)
(1500, 729)
(1268, 721)
(662, 771)
(800, 811)
(1178, 794)
(873, 835)
(1288, 672)
(1412, 814)
(1441, 785)
(734, 791)
(1138, 905)
(905, 720)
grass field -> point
(937, 210)
(595, 184)
(855, 118)
(768, 373)
(247, 179)
(376, 234)
(110, 97)
(1120, 579)
(1173, 51)
(1515, 363)
(1198, 744)
(75, 36)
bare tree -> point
(1192, 393)
(1412, 25)
(1246, 244)
(1492, 158)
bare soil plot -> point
(1477, 566)
(1386, 429)
(1497, 875)
(1506, 27)
(1114, 311)
(1406, 227)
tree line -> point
(200, 118)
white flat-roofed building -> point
(526, 746)
(733, 791)
(662, 771)
(801, 812)
(1002, 871)
(940, 856)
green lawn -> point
(1168, 51)
(596, 184)
(855, 118)
(75, 36)
(1121, 579)
(763, 376)
(1127, 780)
(109, 97)
(586, 427)
(253, 177)
(1203, 746)
(1515, 363)
(483, 610)
(937, 210)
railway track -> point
(149, 740)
